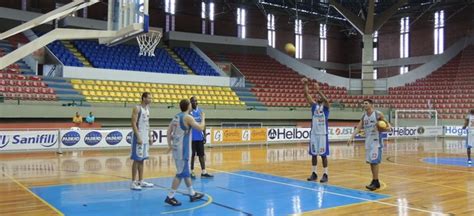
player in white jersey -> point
(469, 124)
(179, 138)
(319, 142)
(373, 140)
(141, 141)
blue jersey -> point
(197, 115)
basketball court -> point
(248, 181)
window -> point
(439, 32)
(404, 41)
(170, 11)
(241, 22)
(271, 30)
(323, 42)
(299, 38)
(376, 51)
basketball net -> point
(148, 42)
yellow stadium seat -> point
(169, 101)
(112, 94)
(102, 88)
(88, 98)
(142, 85)
(115, 88)
(85, 93)
(165, 91)
(135, 89)
(130, 99)
(76, 81)
(76, 86)
(89, 82)
(100, 82)
(159, 90)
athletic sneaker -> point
(196, 196)
(469, 162)
(146, 184)
(135, 186)
(313, 177)
(172, 201)
(324, 179)
(206, 175)
(193, 176)
(374, 185)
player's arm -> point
(198, 126)
(356, 131)
(466, 123)
(322, 95)
(134, 125)
(169, 133)
(306, 91)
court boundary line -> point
(32, 193)
(344, 195)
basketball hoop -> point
(148, 42)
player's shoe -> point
(324, 179)
(193, 176)
(206, 175)
(172, 201)
(196, 196)
(313, 177)
(374, 185)
(469, 161)
(146, 184)
(135, 186)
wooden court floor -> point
(414, 187)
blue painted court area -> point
(238, 193)
(448, 161)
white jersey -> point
(372, 134)
(181, 138)
(470, 119)
(470, 131)
(319, 119)
(143, 123)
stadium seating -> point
(195, 62)
(121, 91)
(125, 57)
(273, 83)
(64, 55)
(15, 84)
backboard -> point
(128, 18)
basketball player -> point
(199, 139)
(319, 142)
(179, 142)
(469, 124)
(141, 141)
(373, 140)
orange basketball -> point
(290, 49)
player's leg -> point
(324, 159)
(374, 160)
(134, 156)
(469, 155)
(202, 159)
(314, 163)
(193, 155)
(313, 151)
(174, 186)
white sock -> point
(315, 169)
(325, 170)
(191, 191)
(171, 194)
(204, 171)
